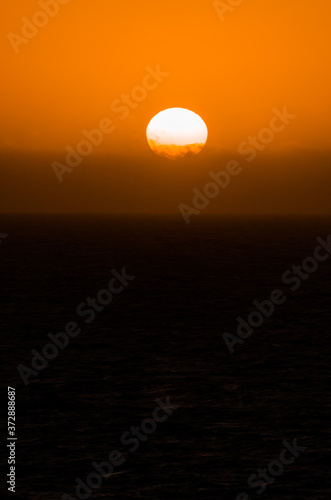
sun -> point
(176, 132)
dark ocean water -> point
(163, 337)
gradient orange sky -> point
(233, 73)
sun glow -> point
(176, 132)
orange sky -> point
(233, 73)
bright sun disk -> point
(175, 132)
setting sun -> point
(175, 132)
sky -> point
(117, 64)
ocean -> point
(161, 339)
